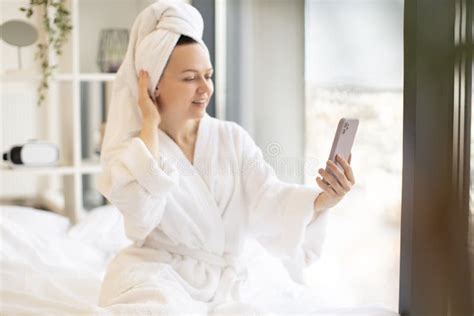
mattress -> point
(49, 267)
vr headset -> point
(33, 153)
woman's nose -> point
(205, 86)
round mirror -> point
(18, 33)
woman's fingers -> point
(347, 169)
(148, 108)
(143, 79)
(326, 188)
(332, 181)
(341, 178)
(143, 86)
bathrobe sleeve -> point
(281, 215)
(138, 185)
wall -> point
(269, 59)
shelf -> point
(90, 167)
(73, 116)
(97, 77)
(87, 167)
(58, 170)
(18, 77)
(86, 77)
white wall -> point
(9, 10)
(93, 18)
(272, 73)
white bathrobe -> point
(189, 221)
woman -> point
(192, 188)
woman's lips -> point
(199, 103)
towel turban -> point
(153, 36)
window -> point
(354, 69)
(391, 64)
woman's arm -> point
(281, 216)
(138, 185)
(149, 136)
(136, 181)
(278, 212)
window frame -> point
(434, 259)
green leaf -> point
(57, 30)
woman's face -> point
(186, 86)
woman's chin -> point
(198, 110)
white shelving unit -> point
(77, 72)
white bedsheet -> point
(50, 268)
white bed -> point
(51, 268)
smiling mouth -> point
(199, 103)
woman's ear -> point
(156, 94)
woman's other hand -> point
(149, 109)
(335, 183)
(151, 115)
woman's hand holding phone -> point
(338, 178)
(334, 182)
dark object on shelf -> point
(112, 49)
(34, 153)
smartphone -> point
(344, 139)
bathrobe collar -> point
(208, 205)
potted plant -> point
(56, 24)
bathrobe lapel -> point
(193, 178)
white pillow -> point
(102, 228)
(36, 220)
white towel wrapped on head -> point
(153, 37)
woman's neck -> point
(182, 132)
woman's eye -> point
(193, 78)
